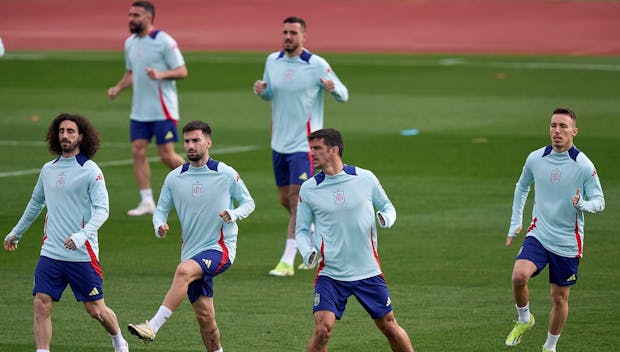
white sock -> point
(160, 318)
(219, 350)
(117, 340)
(289, 252)
(552, 340)
(524, 313)
(40, 350)
(146, 195)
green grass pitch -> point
(445, 260)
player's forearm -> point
(174, 74)
(126, 81)
(518, 204)
(340, 93)
(593, 205)
(245, 208)
(98, 218)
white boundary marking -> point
(214, 151)
(39, 144)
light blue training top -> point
(342, 208)
(153, 100)
(74, 192)
(556, 223)
(296, 93)
(199, 194)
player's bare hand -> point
(11, 244)
(577, 197)
(113, 92)
(259, 87)
(381, 219)
(509, 238)
(225, 216)
(163, 230)
(311, 258)
(69, 244)
(328, 84)
(153, 74)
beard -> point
(195, 156)
(136, 28)
(70, 147)
(290, 49)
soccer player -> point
(566, 185)
(203, 191)
(342, 201)
(153, 62)
(294, 81)
(73, 190)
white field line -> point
(39, 144)
(392, 60)
(111, 163)
(531, 65)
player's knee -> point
(42, 306)
(183, 272)
(284, 201)
(206, 322)
(391, 330)
(519, 278)
(96, 312)
(169, 159)
(558, 298)
(323, 332)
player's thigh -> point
(49, 278)
(373, 294)
(300, 167)
(531, 259)
(331, 295)
(165, 132)
(139, 130)
(280, 169)
(563, 271)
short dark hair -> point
(197, 125)
(331, 138)
(566, 111)
(299, 20)
(148, 7)
(90, 137)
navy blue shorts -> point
(212, 263)
(562, 270)
(52, 276)
(164, 131)
(291, 169)
(372, 293)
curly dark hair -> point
(90, 137)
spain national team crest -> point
(288, 75)
(339, 196)
(555, 176)
(60, 179)
(317, 299)
(197, 189)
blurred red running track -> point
(411, 26)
